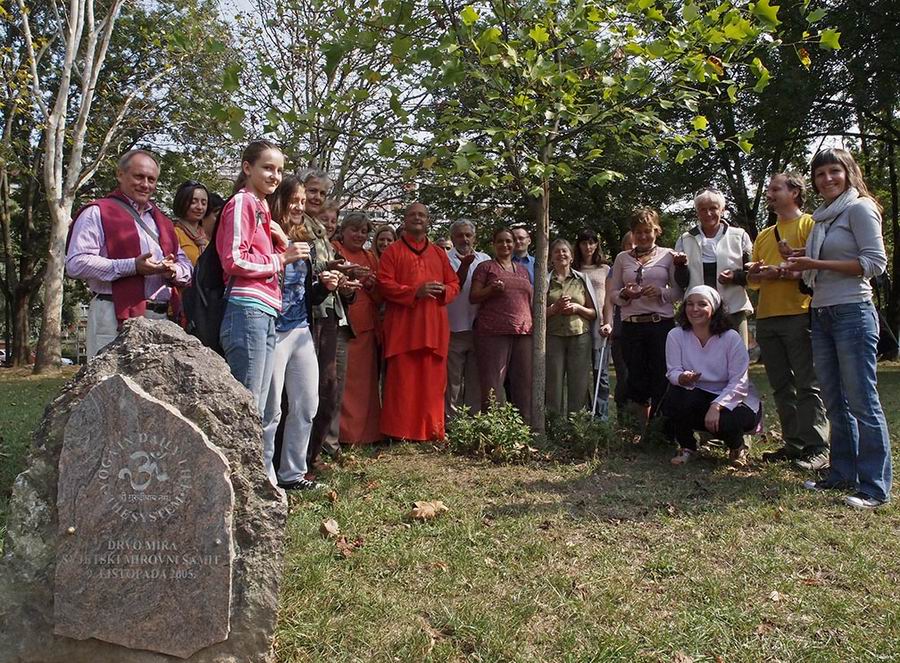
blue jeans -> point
(844, 339)
(248, 338)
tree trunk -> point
(894, 301)
(19, 353)
(49, 349)
(540, 214)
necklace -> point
(511, 268)
(641, 255)
(198, 237)
(418, 252)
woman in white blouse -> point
(709, 388)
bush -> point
(499, 434)
(579, 433)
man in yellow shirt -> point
(782, 328)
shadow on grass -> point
(639, 484)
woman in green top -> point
(571, 332)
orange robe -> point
(416, 339)
(361, 405)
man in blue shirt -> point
(520, 251)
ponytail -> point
(251, 155)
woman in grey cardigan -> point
(844, 250)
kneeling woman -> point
(709, 389)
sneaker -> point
(814, 462)
(863, 501)
(828, 484)
(684, 456)
(778, 456)
(738, 457)
(303, 484)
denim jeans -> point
(844, 339)
(248, 338)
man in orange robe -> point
(416, 281)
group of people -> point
(346, 333)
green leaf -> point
(461, 163)
(732, 93)
(231, 77)
(700, 122)
(830, 39)
(539, 34)
(745, 145)
(604, 177)
(690, 12)
(386, 147)
(684, 154)
(655, 15)
(816, 15)
(766, 12)
(469, 15)
(738, 30)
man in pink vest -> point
(127, 251)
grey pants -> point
(463, 387)
(296, 370)
(569, 360)
(786, 348)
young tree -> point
(527, 94)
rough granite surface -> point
(174, 368)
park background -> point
(557, 115)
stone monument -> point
(144, 528)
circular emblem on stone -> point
(143, 477)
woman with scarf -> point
(709, 388)
(844, 250)
(643, 286)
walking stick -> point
(601, 353)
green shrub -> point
(579, 433)
(499, 434)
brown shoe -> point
(738, 457)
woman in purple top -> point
(503, 292)
(643, 285)
(710, 389)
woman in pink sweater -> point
(709, 388)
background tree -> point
(74, 59)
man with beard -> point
(783, 328)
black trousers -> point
(686, 410)
(644, 349)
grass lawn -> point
(623, 558)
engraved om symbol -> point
(146, 465)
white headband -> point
(709, 294)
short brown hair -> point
(645, 216)
(795, 182)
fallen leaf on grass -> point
(346, 548)
(331, 495)
(775, 596)
(372, 485)
(329, 528)
(812, 582)
(427, 510)
(681, 657)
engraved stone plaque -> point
(145, 518)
